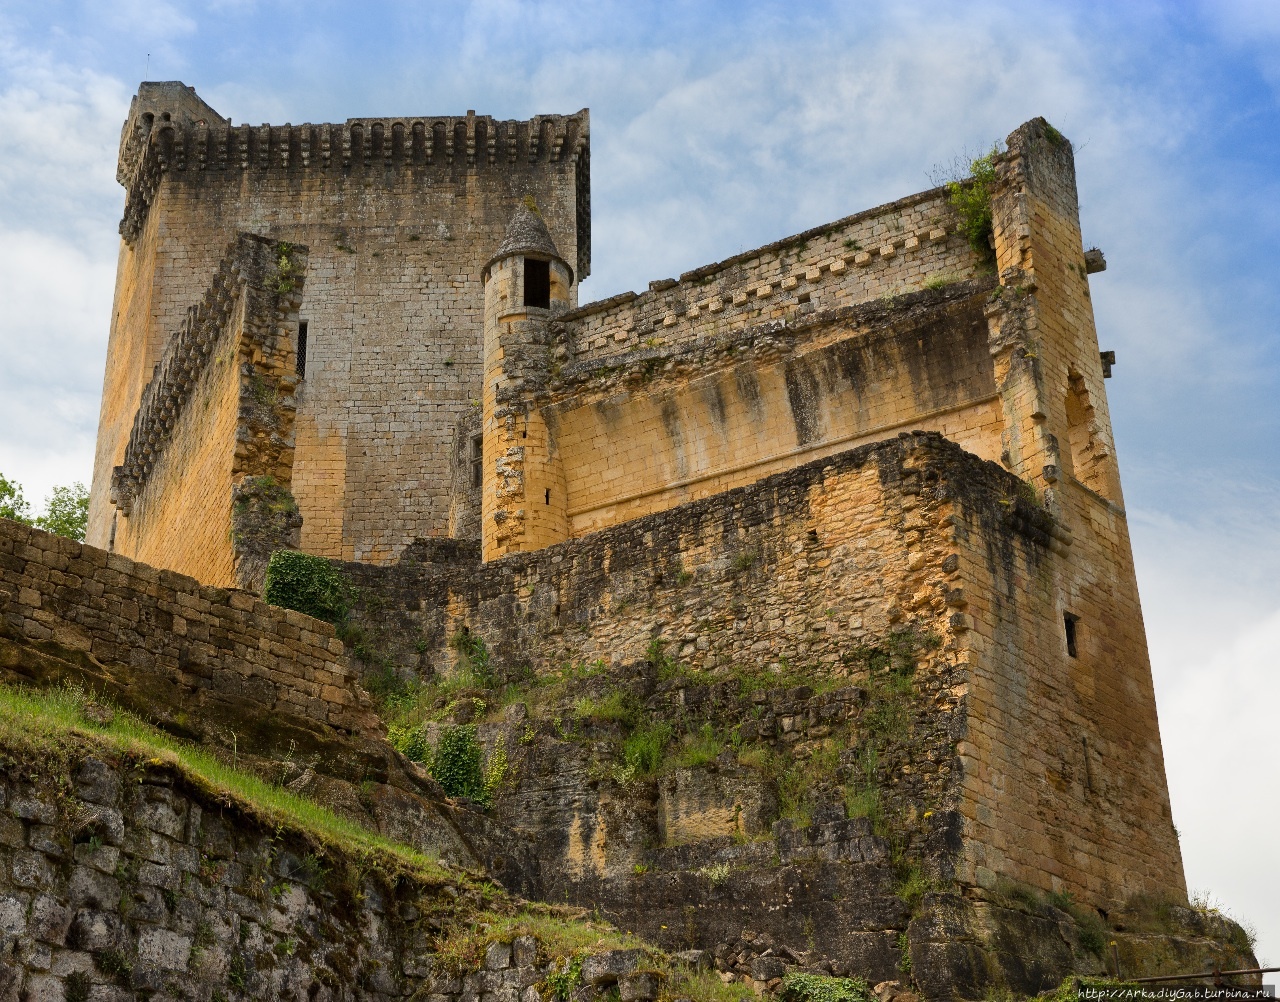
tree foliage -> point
(66, 508)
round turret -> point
(527, 272)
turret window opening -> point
(537, 284)
(1069, 622)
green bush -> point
(971, 198)
(410, 742)
(459, 763)
(307, 584)
(800, 987)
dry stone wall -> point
(127, 881)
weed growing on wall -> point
(307, 584)
(971, 198)
(474, 659)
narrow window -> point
(537, 284)
(302, 349)
(546, 496)
(477, 460)
(1069, 622)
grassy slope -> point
(44, 735)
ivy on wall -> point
(307, 584)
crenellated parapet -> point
(446, 144)
(256, 293)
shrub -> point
(800, 987)
(411, 742)
(971, 199)
(307, 584)
(458, 764)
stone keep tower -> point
(387, 223)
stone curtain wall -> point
(805, 566)
(398, 227)
(219, 408)
(717, 415)
(889, 250)
(157, 640)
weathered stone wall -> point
(886, 251)
(805, 570)
(126, 880)
(218, 658)
(218, 408)
(399, 216)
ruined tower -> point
(398, 217)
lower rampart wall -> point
(212, 659)
(808, 569)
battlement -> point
(446, 143)
(252, 265)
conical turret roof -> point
(526, 234)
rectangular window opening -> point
(302, 349)
(477, 460)
(1069, 622)
(802, 298)
(546, 496)
(537, 284)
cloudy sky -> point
(720, 126)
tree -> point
(66, 512)
(12, 504)
(66, 508)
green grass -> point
(702, 747)
(52, 728)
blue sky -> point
(717, 127)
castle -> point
(881, 442)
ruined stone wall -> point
(219, 659)
(399, 217)
(218, 408)
(123, 878)
(886, 251)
